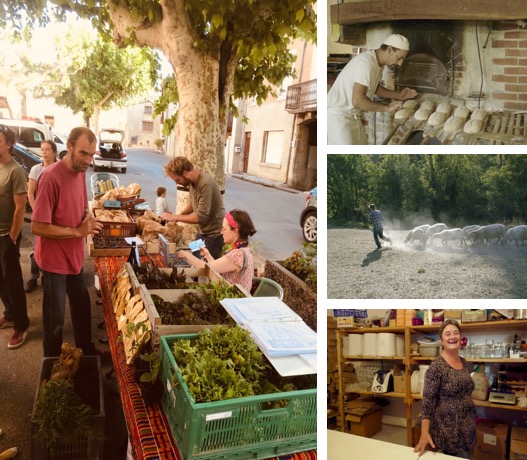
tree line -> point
(457, 189)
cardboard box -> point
(453, 314)
(468, 316)
(365, 425)
(399, 379)
(518, 449)
(491, 441)
(399, 317)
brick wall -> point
(509, 70)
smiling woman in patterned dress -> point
(448, 416)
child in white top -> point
(161, 201)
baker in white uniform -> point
(354, 88)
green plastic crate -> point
(237, 428)
(78, 448)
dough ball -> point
(402, 114)
(437, 118)
(427, 105)
(443, 107)
(478, 114)
(461, 112)
(422, 114)
(473, 126)
(454, 124)
(410, 104)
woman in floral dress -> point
(448, 416)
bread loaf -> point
(461, 112)
(422, 114)
(473, 126)
(402, 114)
(478, 114)
(454, 124)
(410, 104)
(427, 105)
(443, 107)
(436, 119)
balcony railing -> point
(302, 97)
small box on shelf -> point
(399, 379)
(470, 316)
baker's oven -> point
(471, 79)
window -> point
(148, 109)
(272, 147)
(31, 137)
(148, 125)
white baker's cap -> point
(397, 41)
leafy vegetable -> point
(154, 278)
(224, 363)
(61, 413)
(191, 308)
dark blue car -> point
(25, 157)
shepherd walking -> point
(376, 220)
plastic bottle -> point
(133, 258)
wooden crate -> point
(110, 228)
(158, 328)
(104, 252)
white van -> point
(31, 133)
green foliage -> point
(109, 76)
(61, 414)
(154, 362)
(219, 290)
(255, 35)
(303, 264)
(221, 364)
(463, 189)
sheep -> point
(517, 233)
(487, 233)
(436, 228)
(469, 228)
(453, 234)
(415, 234)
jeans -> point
(12, 283)
(377, 233)
(56, 287)
(35, 269)
(214, 244)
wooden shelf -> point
(498, 406)
(408, 360)
(502, 325)
(367, 358)
(374, 330)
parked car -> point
(110, 153)
(25, 157)
(308, 218)
(31, 133)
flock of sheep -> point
(476, 234)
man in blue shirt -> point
(375, 218)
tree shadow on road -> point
(371, 257)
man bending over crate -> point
(61, 221)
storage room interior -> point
(376, 360)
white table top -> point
(344, 446)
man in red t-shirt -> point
(61, 222)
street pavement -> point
(21, 367)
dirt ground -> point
(356, 270)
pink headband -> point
(230, 220)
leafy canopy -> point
(257, 32)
